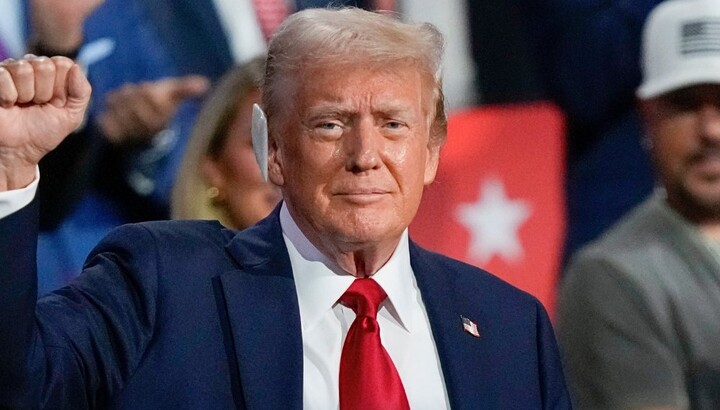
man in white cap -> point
(639, 312)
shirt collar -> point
(320, 282)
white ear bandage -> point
(260, 139)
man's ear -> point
(275, 165)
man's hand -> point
(42, 100)
(58, 25)
(136, 112)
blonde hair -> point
(350, 35)
(190, 199)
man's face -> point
(353, 152)
(684, 128)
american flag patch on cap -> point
(700, 36)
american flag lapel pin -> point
(470, 326)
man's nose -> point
(363, 147)
(710, 122)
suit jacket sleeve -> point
(77, 346)
(554, 391)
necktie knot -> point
(364, 297)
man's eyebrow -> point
(329, 109)
(394, 108)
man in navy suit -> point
(192, 315)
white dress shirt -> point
(16, 199)
(404, 327)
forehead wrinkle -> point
(394, 107)
(392, 104)
(350, 99)
(377, 104)
(329, 108)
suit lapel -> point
(262, 320)
(465, 359)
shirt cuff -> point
(16, 199)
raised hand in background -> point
(136, 112)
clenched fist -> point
(42, 100)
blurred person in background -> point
(219, 177)
(638, 310)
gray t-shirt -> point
(639, 315)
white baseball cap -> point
(680, 46)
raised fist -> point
(42, 100)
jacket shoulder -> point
(180, 231)
(472, 280)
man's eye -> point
(331, 130)
(394, 125)
(329, 126)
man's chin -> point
(700, 201)
(367, 232)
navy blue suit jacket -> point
(175, 315)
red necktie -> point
(270, 13)
(368, 378)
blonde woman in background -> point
(219, 177)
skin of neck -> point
(359, 259)
(711, 231)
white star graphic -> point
(493, 222)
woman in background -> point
(219, 177)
